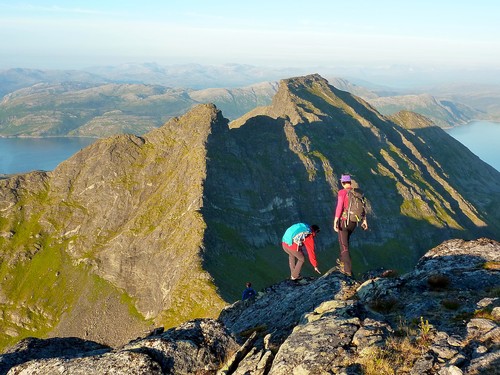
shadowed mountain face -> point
(134, 231)
(281, 164)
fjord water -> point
(19, 155)
(482, 138)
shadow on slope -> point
(266, 175)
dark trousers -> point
(345, 232)
(295, 261)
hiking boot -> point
(340, 267)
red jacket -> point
(309, 244)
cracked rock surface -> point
(329, 325)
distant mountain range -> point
(83, 109)
(137, 231)
(191, 76)
(443, 113)
(136, 98)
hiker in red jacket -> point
(297, 238)
(344, 225)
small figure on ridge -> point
(249, 292)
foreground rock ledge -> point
(448, 308)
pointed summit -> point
(200, 121)
(310, 99)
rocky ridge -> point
(91, 228)
(441, 318)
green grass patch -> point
(43, 286)
(486, 313)
(196, 298)
(39, 290)
(393, 255)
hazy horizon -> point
(380, 40)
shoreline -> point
(476, 120)
(46, 137)
(469, 123)
(96, 137)
(68, 142)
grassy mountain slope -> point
(114, 231)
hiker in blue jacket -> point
(297, 238)
(249, 292)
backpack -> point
(296, 234)
(357, 202)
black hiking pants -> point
(345, 231)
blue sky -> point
(458, 34)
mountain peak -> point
(307, 80)
(310, 99)
(201, 120)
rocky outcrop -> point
(193, 347)
(33, 349)
(441, 318)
